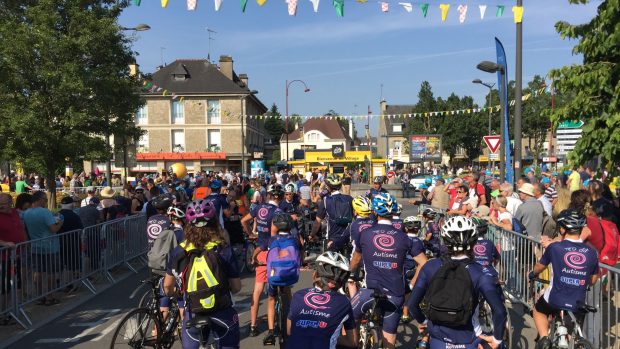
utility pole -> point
(518, 94)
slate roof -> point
(395, 110)
(330, 128)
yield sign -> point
(492, 142)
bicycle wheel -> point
(508, 333)
(138, 329)
(281, 318)
(583, 343)
(147, 301)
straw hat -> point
(107, 192)
(527, 189)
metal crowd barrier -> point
(36, 269)
(519, 253)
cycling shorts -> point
(542, 306)
(390, 307)
(164, 301)
(435, 343)
(225, 326)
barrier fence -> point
(34, 270)
(79, 190)
(519, 253)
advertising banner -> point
(425, 148)
(256, 167)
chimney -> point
(383, 106)
(226, 66)
(351, 128)
(244, 79)
(134, 69)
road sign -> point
(494, 156)
(571, 124)
(550, 159)
(492, 142)
(390, 174)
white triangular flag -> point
(483, 9)
(315, 5)
(407, 6)
(218, 4)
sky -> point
(353, 62)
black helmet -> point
(429, 213)
(571, 219)
(275, 190)
(283, 222)
(162, 202)
(481, 225)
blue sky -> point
(344, 61)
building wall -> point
(322, 143)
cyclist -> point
(220, 202)
(262, 214)
(432, 242)
(282, 226)
(383, 249)
(397, 222)
(363, 221)
(459, 235)
(176, 216)
(318, 314)
(377, 184)
(337, 210)
(485, 252)
(158, 222)
(574, 267)
(413, 264)
(204, 233)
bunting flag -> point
(362, 1)
(444, 11)
(424, 8)
(292, 7)
(385, 7)
(137, 2)
(500, 11)
(191, 5)
(244, 4)
(164, 3)
(315, 5)
(407, 6)
(261, 2)
(518, 13)
(218, 4)
(462, 12)
(483, 9)
(339, 6)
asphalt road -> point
(92, 324)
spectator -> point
(404, 183)
(11, 232)
(90, 215)
(504, 218)
(512, 202)
(42, 226)
(477, 190)
(550, 192)
(438, 196)
(462, 204)
(90, 193)
(539, 191)
(574, 180)
(563, 200)
(21, 186)
(530, 212)
(137, 201)
(70, 241)
(22, 203)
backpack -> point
(342, 209)
(517, 227)
(449, 298)
(487, 194)
(549, 226)
(609, 253)
(204, 280)
(283, 261)
(160, 250)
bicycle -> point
(146, 327)
(485, 318)
(282, 308)
(564, 329)
(200, 322)
(371, 333)
(243, 253)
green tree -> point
(536, 122)
(65, 80)
(594, 85)
(274, 125)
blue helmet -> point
(397, 209)
(215, 184)
(382, 204)
(428, 181)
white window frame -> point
(142, 115)
(397, 128)
(313, 137)
(210, 145)
(173, 145)
(177, 116)
(397, 145)
(214, 116)
(143, 141)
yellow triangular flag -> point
(518, 13)
(261, 2)
(164, 3)
(444, 11)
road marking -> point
(86, 332)
(107, 330)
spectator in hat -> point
(90, 193)
(423, 188)
(530, 212)
(438, 196)
(550, 193)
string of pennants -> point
(384, 6)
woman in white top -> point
(462, 204)
(504, 218)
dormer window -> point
(179, 77)
(180, 73)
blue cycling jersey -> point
(264, 213)
(485, 253)
(398, 224)
(373, 192)
(287, 207)
(384, 249)
(573, 263)
(317, 318)
(358, 226)
(484, 283)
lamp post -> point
(243, 97)
(139, 28)
(518, 94)
(306, 89)
(490, 86)
(491, 67)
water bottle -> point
(561, 333)
(422, 343)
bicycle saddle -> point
(153, 281)
(584, 308)
(199, 321)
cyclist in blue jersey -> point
(337, 210)
(397, 222)
(377, 184)
(362, 221)
(485, 252)
(220, 203)
(383, 250)
(263, 214)
(432, 242)
(318, 314)
(413, 264)
(459, 235)
(574, 267)
(158, 222)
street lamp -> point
(139, 28)
(491, 67)
(490, 86)
(306, 89)
(243, 97)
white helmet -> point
(290, 188)
(412, 222)
(333, 266)
(459, 233)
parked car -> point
(418, 179)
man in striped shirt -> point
(550, 192)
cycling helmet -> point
(382, 204)
(282, 221)
(332, 266)
(397, 209)
(571, 219)
(428, 181)
(162, 202)
(413, 222)
(362, 206)
(481, 225)
(199, 212)
(290, 188)
(175, 212)
(459, 233)
(378, 179)
(429, 213)
(215, 184)
(275, 190)
(333, 181)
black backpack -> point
(341, 213)
(449, 298)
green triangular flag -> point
(137, 2)
(339, 5)
(244, 3)
(500, 11)
(424, 8)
